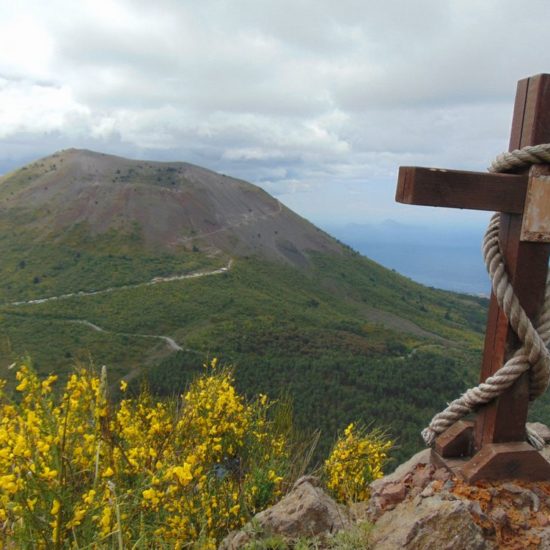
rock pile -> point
(421, 507)
(418, 507)
(305, 511)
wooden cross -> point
(494, 446)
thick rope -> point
(533, 355)
(521, 158)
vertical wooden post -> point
(496, 447)
(527, 264)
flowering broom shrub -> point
(356, 460)
(76, 471)
(79, 472)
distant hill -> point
(174, 205)
(150, 268)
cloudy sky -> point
(317, 101)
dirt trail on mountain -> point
(155, 281)
(169, 341)
(172, 344)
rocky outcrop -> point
(306, 511)
(420, 506)
(432, 522)
(417, 507)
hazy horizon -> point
(444, 257)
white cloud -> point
(26, 46)
(310, 98)
(35, 108)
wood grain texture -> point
(527, 265)
(459, 189)
(516, 460)
(456, 441)
(499, 432)
(531, 121)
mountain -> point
(175, 205)
(151, 268)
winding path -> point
(245, 219)
(170, 342)
(155, 281)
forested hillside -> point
(85, 278)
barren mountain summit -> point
(171, 204)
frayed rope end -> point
(428, 435)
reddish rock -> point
(543, 519)
(427, 492)
(403, 472)
(392, 494)
(306, 511)
(422, 476)
(524, 497)
(434, 524)
(442, 474)
(475, 507)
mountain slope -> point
(152, 267)
(176, 205)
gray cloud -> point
(318, 101)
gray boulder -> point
(428, 523)
(305, 511)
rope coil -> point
(533, 355)
(521, 158)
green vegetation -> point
(320, 336)
(34, 266)
(78, 471)
(356, 537)
(75, 471)
(357, 459)
(344, 338)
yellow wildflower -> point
(356, 460)
(55, 507)
(31, 503)
(105, 521)
(183, 473)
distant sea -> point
(449, 259)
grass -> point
(75, 468)
(356, 537)
(33, 267)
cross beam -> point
(495, 445)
